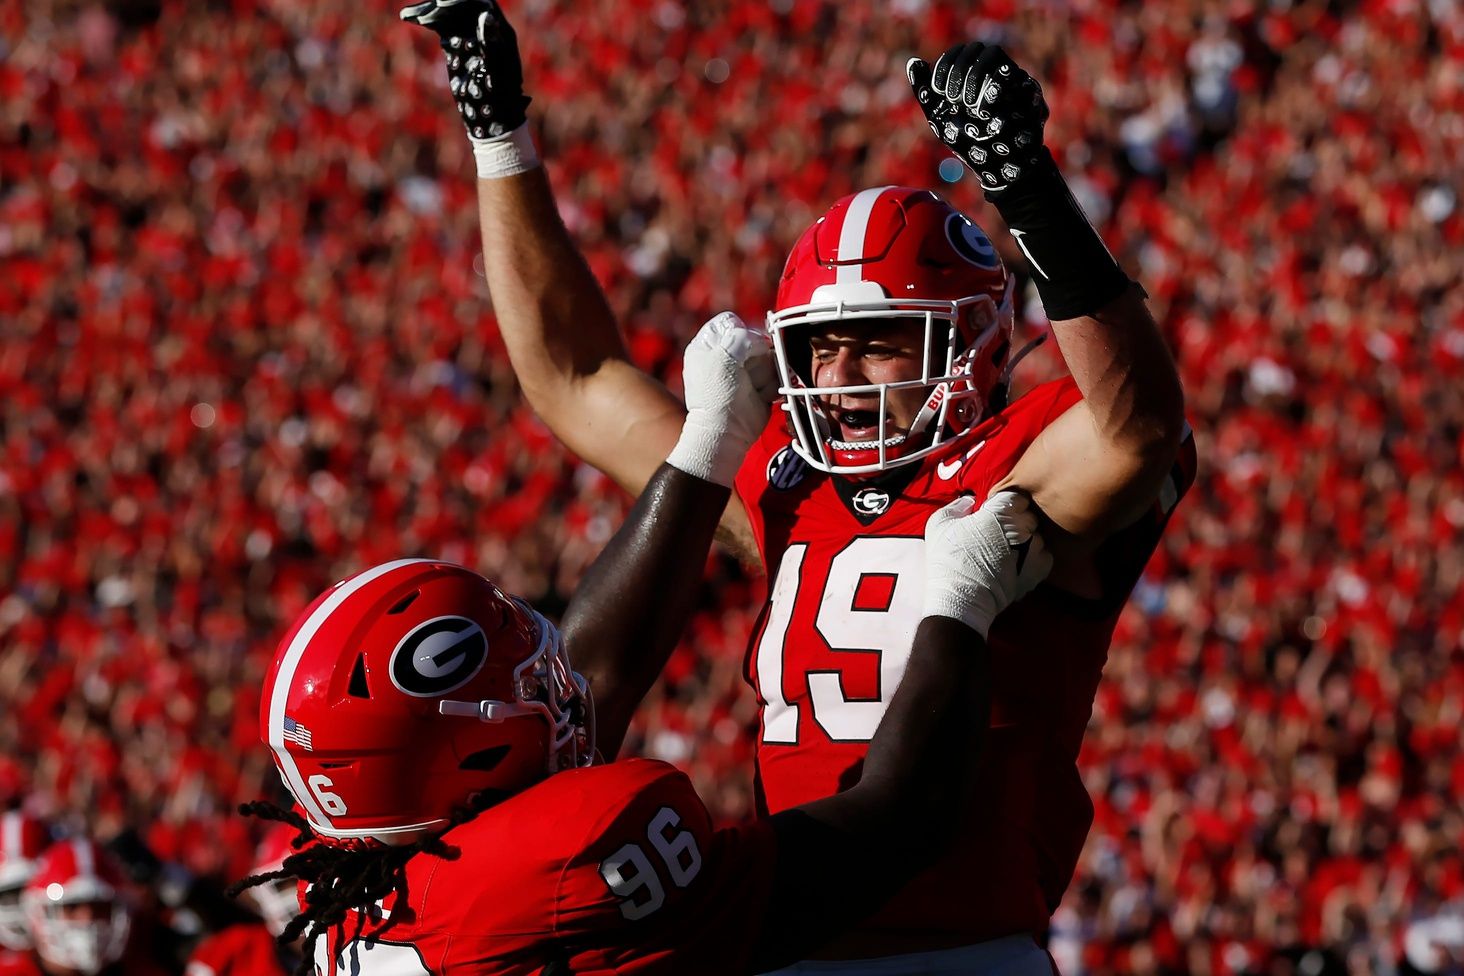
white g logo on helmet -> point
(438, 656)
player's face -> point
(866, 352)
(89, 912)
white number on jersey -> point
(887, 633)
(633, 878)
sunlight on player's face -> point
(867, 352)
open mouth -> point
(856, 429)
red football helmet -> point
(77, 906)
(895, 252)
(408, 688)
(22, 839)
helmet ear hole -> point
(484, 760)
(358, 687)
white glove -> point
(979, 561)
(730, 380)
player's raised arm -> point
(1098, 467)
(561, 335)
(637, 597)
(840, 858)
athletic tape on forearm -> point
(505, 155)
(1074, 272)
(975, 613)
(708, 452)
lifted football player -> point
(892, 327)
(442, 748)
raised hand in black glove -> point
(991, 114)
(989, 111)
(486, 75)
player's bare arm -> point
(561, 335)
(637, 597)
(841, 857)
(1098, 467)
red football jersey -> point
(846, 571)
(609, 869)
(14, 963)
(246, 949)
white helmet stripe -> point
(851, 235)
(10, 836)
(86, 866)
(286, 676)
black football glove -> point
(991, 114)
(986, 109)
(485, 74)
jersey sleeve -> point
(1122, 556)
(768, 453)
(655, 882)
(246, 949)
(1018, 426)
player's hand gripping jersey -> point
(845, 568)
(607, 869)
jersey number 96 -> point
(637, 879)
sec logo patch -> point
(786, 469)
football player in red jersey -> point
(78, 910)
(442, 747)
(248, 947)
(893, 330)
(277, 903)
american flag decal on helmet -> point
(298, 734)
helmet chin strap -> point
(998, 399)
(1006, 373)
(932, 406)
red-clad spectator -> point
(245, 353)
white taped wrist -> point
(707, 452)
(506, 155)
(976, 610)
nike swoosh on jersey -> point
(947, 469)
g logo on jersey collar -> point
(438, 656)
(871, 501)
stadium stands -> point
(243, 352)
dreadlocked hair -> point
(344, 878)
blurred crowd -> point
(245, 351)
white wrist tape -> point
(974, 608)
(730, 380)
(507, 155)
(706, 451)
(978, 561)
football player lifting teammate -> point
(892, 328)
(442, 747)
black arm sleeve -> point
(636, 598)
